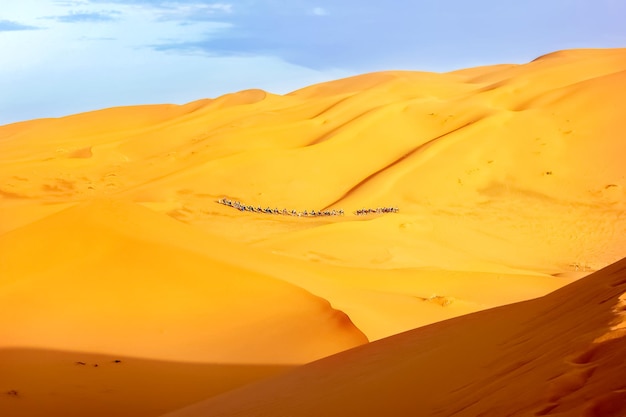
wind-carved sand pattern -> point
(296, 213)
(512, 188)
(584, 363)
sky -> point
(59, 57)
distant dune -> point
(509, 183)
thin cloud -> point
(293, 33)
(358, 34)
(96, 38)
(144, 2)
(319, 11)
(183, 11)
(206, 48)
(160, 3)
(83, 17)
(71, 3)
(11, 26)
(194, 12)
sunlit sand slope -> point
(516, 166)
(114, 277)
(509, 179)
(562, 354)
(510, 183)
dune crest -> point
(509, 183)
(539, 357)
(109, 279)
(496, 170)
(522, 137)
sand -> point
(562, 354)
(156, 300)
(509, 180)
(35, 382)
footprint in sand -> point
(612, 404)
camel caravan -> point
(313, 213)
(377, 210)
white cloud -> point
(193, 11)
(224, 7)
(72, 3)
(319, 11)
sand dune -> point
(108, 277)
(509, 180)
(527, 149)
(561, 355)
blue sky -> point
(67, 56)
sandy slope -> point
(535, 186)
(510, 182)
(111, 277)
(74, 384)
(536, 182)
(560, 355)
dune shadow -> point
(40, 382)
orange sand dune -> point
(527, 149)
(74, 384)
(109, 277)
(503, 172)
(562, 354)
(509, 180)
(379, 302)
